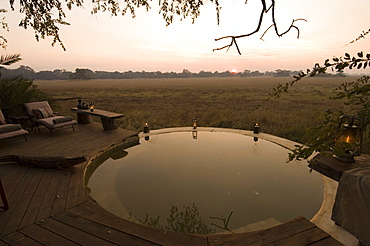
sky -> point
(101, 42)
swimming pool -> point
(220, 171)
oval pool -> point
(206, 176)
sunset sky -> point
(101, 42)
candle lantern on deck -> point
(348, 139)
(146, 128)
(91, 106)
(256, 128)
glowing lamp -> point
(348, 139)
(146, 128)
(91, 106)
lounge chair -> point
(10, 130)
(45, 116)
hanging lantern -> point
(194, 123)
(348, 139)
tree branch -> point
(264, 11)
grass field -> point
(214, 102)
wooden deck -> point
(53, 207)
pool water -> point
(218, 172)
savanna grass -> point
(215, 102)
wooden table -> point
(333, 168)
(108, 119)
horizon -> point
(104, 43)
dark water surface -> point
(219, 172)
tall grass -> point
(214, 102)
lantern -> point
(146, 128)
(348, 139)
(194, 123)
(256, 128)
(91, 106)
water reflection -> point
(195, 134)
(187, 220)
(220, 172)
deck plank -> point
(104, 232)
(329, 241)
(75, 187)
(50, 195)
(92, 211)
(17, 208)
(305, 237)
(21, 213)
(12, 180)
(78, 236)
(286, 232)
(45, 237)
(20, 239)
(2, 243)
(62, 191)
(35, 204)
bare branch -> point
(264, 10)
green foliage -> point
(356, 97)
(18, 90)
(9, 59)
(187, 220)
(337, 64)
(46, 16)
(148, 221)
(362, 35)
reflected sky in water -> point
(219, 172)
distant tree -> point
(46, 75)
(82, 73)
(186, 73)
(25, 71)
(282, 73)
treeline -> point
(84, 73)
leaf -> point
(368, 56)
(360, 54)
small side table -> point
(24, 120)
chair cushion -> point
(48, 122)
(9, 128)
(35, 105)
(62, 120)
(42, 113)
